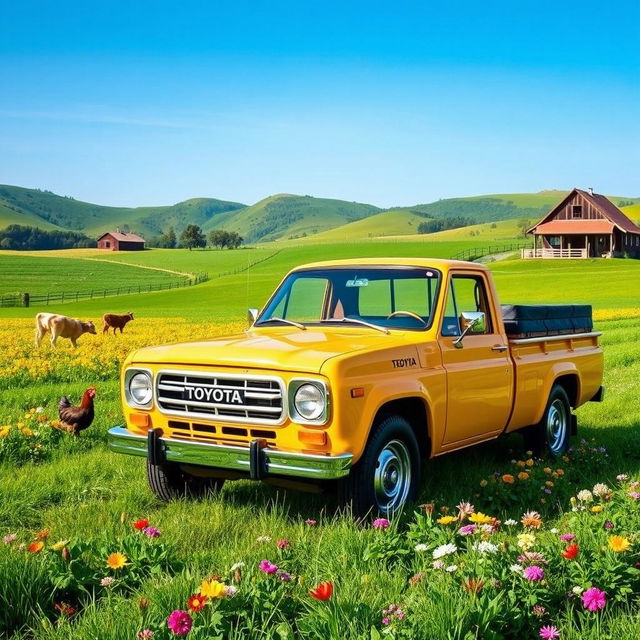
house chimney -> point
(590, 191)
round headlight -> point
(309, 401)
(140, 388)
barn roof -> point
(122, 236)
(581, 227)
(609, 210)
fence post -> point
(25, 299)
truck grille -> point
(221, 396)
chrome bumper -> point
(272, 462)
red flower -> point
(196, 602)
(65, 609)
(139, 525)
(323, 591)
(571, 551)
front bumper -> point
(257, 461)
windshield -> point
(389, 297)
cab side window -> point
(466, 293)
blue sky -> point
(389, 103)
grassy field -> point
(85, 495)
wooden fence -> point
(479, 252)
(45, 299)
(554, 253)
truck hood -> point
(285, 348)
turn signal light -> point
(313, 437)
(358, 392)
(140, 419)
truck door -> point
(479, 371)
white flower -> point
(516, 568)
(421, 547)
(577, 590)
(585, 496)
(263, 539)
(444, 550)
(438, 564)
(510, 522)
(236, 566)
(601, 490)
(452, 568)
(485, 547)
(553, 530)
(487, 528)
(623, 477)
(39, 409)
(230, 590)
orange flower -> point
(523, 475)
(323, 591)
(530, 462)
(507, 478)
(116, 560)
(571, 551)
(196, 602)
(472, 585)
(531, 519)
(560, 472)
(619, 544)
(36, 547)
(43, 534)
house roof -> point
(603, 204)
(122, 236)
(579, 227)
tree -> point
(192, 237)
(168, 239)
(523, 225)
(217, 238)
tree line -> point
(23, 238)
(193, 237)
(442, 224)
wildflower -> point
(116, 560)
(145, 634)
(526, 540)
(268, 567)
(230, 590)
(263, 539)
(585, 496)
(444, 550)
(510, 522)
(283, 544)
(553, 530)
(107, 582)
(597, 508)
(622, 477)
(284, 576)
(180, 622)
(593, 599)
(529, 557)
(571, 551)
(549, 632)
(523, 475)
(634, 494)
(538, 610)
(619, 544)
(196, 602)
(576, 590)
(428, 508)
(8, 539)
(472, 585)
(531, 519)
(61, 544)
(608, 525)
(43, 534)
(548, 470)
(36, 547)
(143, 604)
(516, 568)
(236, 566)
(567, 537)
(417, 578)
(451, 568)
(507, 478)
(65, 608)
(483, 483)
(530, 462)
(480, 518)
(485, 547)
(140, 525)
(152, 532)
(211, 589)
(437, 565)
(421, 547)
(467, 530)
(381, 523)
(560, 472)
(464, 509)
(549, 483)
(534, 573)
(446, 520)
(323, 591)
(310, 522)
(601, 490)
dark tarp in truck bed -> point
(532, 321)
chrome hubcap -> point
(556, 426)
(392, 479)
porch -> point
(554, 253)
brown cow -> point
(115, 321)
(61, 327)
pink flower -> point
(283, 544)
(310, 522)
(179, 622)
(8, 539)
(268, 567)
(467, 530)
(549, 633)
(152, 532)
(594, 599)
(567, 537)
(634, 494)
(533, 573)
(145, 634)
(381, 523)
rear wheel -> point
(388, 474)
(169, 482)
(552, 433)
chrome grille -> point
(228, 397)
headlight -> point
(140, 389)
(309, 401)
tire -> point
(169, 482)
(551, 435)
(387, 476)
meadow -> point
(402, 579)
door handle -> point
(499, 347)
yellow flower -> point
(26, 432)
(619, 544)
(521, 463)
(480, 518)
(547, 470)
(530, 462)
(4, 431)
(116, 560)
(59, 545)
(446, 520)
(549, 483)
(523, 475)
(560, 472)
(597, 508)
(526, 541)
(212, 589)
(483, 483)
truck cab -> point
(354, 373)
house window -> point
(576, 211)
(107, 244)
(554, 241)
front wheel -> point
(552, 433)
(388, 474)
(169, 482)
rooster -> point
(76, 419)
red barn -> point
(120, 241)
(584, 225)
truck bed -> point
(538, 321)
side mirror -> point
(470, 322)
(252, 316)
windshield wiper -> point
(291, 322)
(364, 323)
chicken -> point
(76, 419)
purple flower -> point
(567, 537)
(608, 525)
(634, 494)
(152, 532)
(467, 530)
(268, 567)
(547, 491)
(284, 576)
(534, 573)
(381, 523)
(180, 622)
(549, 633)
(283, 544)
(310, 522)
(594, 599)
(8, 539)
(386, 621)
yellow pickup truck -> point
(354, 373)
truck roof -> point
(435, 263)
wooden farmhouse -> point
(584, 225)
(120, 241)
